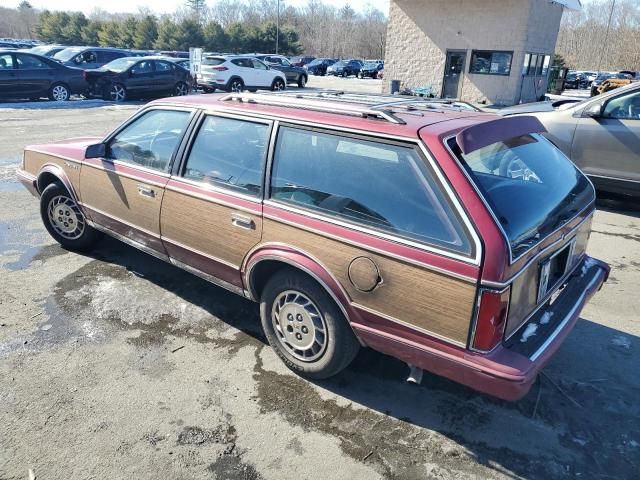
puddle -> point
(31, 255)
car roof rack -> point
(317, 104)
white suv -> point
(235, 73)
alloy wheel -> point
(299, 325)
(117, 93)
(65, 217)
(181, 89)
(60, 93)
(236, 86)
(278, 85)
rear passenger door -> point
(212, 209)
(165, 77)
(141, 80)
(375, 213)
(35, 76)
(9, 84)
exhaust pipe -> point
(415, 374)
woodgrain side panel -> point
(34, 161)
(206, 226)
(118, 196)
(414, 295)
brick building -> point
(488, 51)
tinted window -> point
(142, 68)
(107, 56)
(6, 61)
(242, 62)
(379, 186)
(163, 67)
(150, 140)
(624, 107)
(27, 61)
(229, 153)
(494, 63)
(85, 57)
(530, 186)
(257, 64)
(213, 61)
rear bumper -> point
(29, 181)
(506, 372)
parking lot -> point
(116, 365)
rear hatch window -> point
(530, 186)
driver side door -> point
(608, 145)
(122, 192)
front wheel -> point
(278, 84)
(305, 327)
(116, 93)
(59, 92)
(181, 89)
(64, 220)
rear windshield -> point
(212, 61)
(532, 188)
(67, 53)
(120, 65)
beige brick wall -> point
(421, 31)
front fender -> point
(60, 174)
(304, 262)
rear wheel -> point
(236, 85)
(302, 81)
(277, 85)
(64, 220)
(181, 89)
(59, 92)
(116, 93)
(305, 327)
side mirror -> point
(99, 150)
(594, 111)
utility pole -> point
(606, 36)
(278, 27)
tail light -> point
(493, 307)
(219, 68)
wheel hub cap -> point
(299, 326)
(65, 217)
(59, 93)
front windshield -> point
(341, 63)
(41, 50)
(317, 61)
(120, 65)
(370, 65)
(67, 54)
(531, 187)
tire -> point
(294, 308)
(60, 223)
(235, 85)
(59, 92)
(344, 74)
(278, 84)
(116, 92)
(302, 81)
(181, 89)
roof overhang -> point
(569, 4)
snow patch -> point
(546, 318)
(529, 332)
(621, 341)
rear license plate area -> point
(554, 269)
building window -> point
(490, 62)
(536, 64)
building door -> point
(453, 71)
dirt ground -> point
(116, 365)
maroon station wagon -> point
(450, 239)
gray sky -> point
(166, 6)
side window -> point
(26, 61)
(229, 153)
(142, 68)
(242, 62)
(625, 107)
(150, 140)
(6, 61)
(258, 65)
(163, 67)
(86, 57)
(376, 185)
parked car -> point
(25, 75)
(235, 73)
(174, 53)
(136, 77)
(46, 50)
(295, 75)
(602, 77)
(601, 135)
(452, 240)
(301, 61)
(345, 68)
(576, 80)
(370, 70)
(88, 57)
(183, 62)
(319, 66)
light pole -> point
(277, 27)
(606, 36)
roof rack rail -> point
(315, 104)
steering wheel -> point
(512, 166)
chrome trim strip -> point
(213, 189)
(198, 252)
(611, 178)
(51, 154)
(209, 278)
(493, 215)
(562, 324)
(128, 175)
(137, 167)
(144, 109)
(491, 284)
(128, 241)
(117, 219)
(372, 249)
(547, 296)
(476, 313)
(25, 175)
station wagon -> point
(450, 239)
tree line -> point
(225, 26)
(587, 40)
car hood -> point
(73, 148)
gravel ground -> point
(116, 365)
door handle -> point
(242, 221)
(146, 191)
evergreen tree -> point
(90, 33)
(215, 39)
(189, 34)
(167, 35)
(109, 34)
(147, 33)
(126, 32)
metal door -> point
(453, 71)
